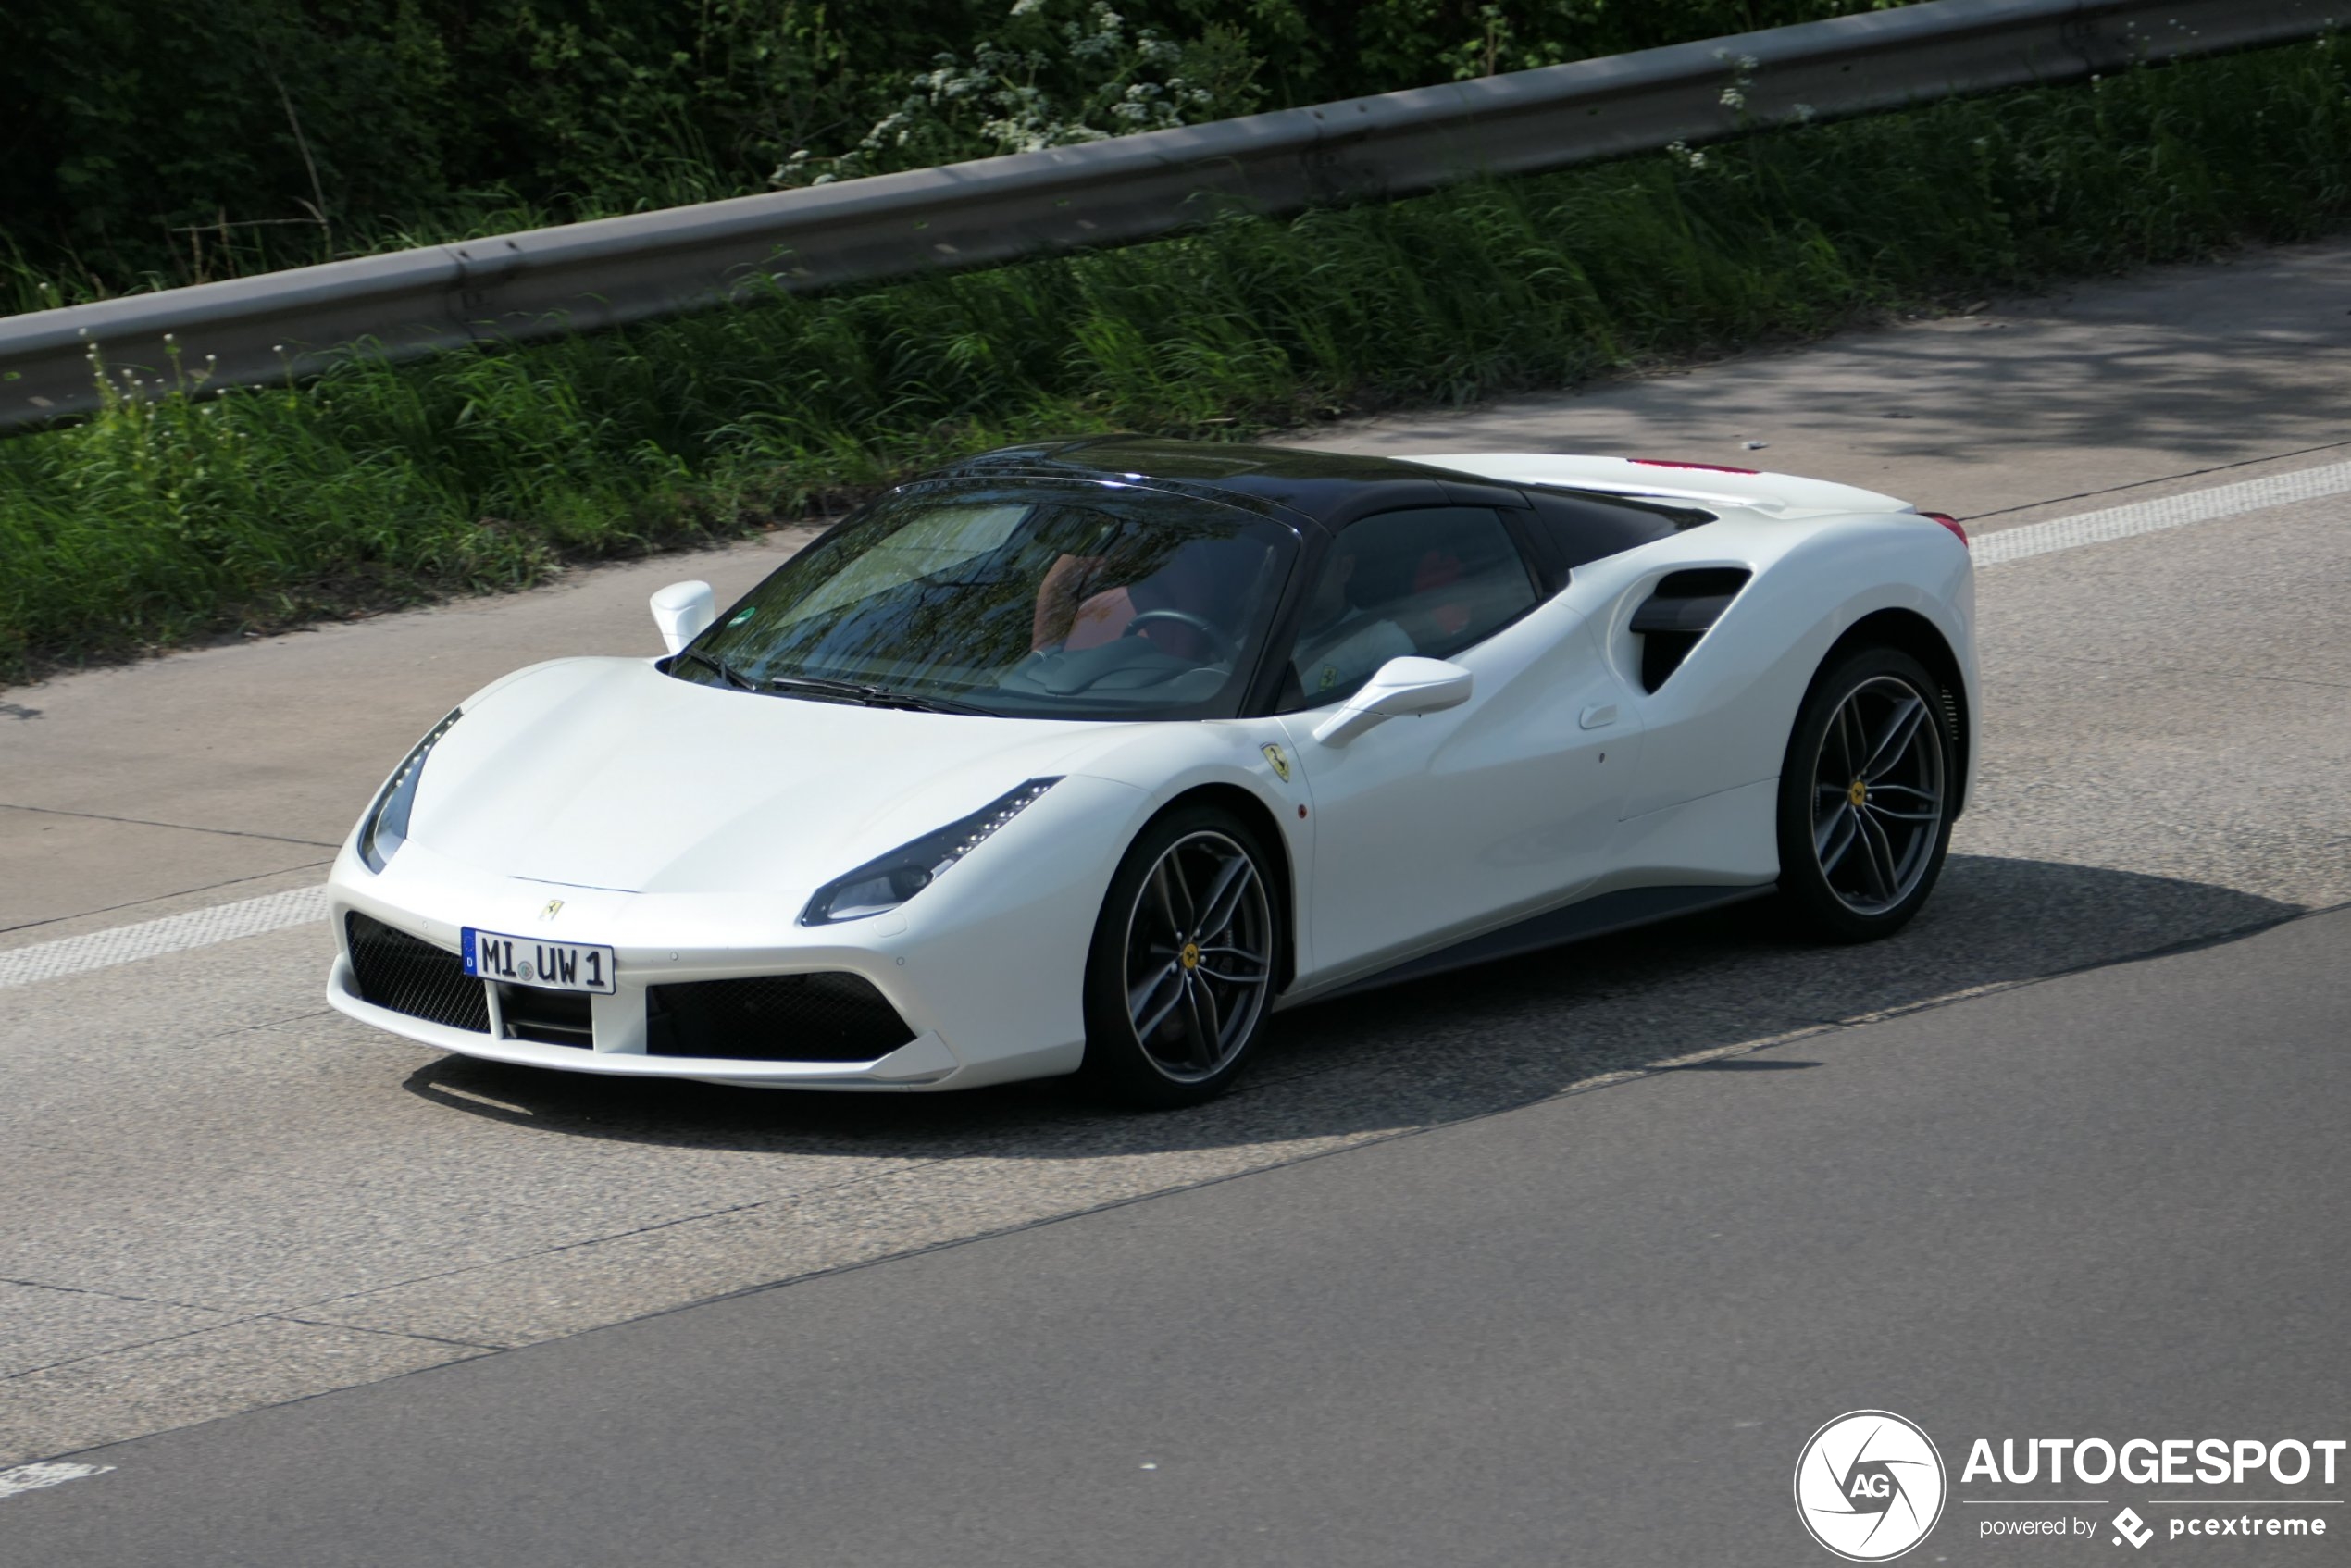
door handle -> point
(1600, 715)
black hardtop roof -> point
(1326, 488)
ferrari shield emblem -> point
(554, 908)
(1281, 763)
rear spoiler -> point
(1702, 484)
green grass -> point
(169, 518)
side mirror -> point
(1399, 687)
(683, 611)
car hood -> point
(606, 772)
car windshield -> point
(1044, 599)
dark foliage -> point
(172, 140)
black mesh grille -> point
(409, 975)
(775, 1018)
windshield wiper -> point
(867, 696)
(724, 670)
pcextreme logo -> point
(1869, 1485)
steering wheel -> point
(1218, 640)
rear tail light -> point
(1952, 523)
(1701, 467)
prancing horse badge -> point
(1281, 763)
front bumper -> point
(923, 1062)
(985, 969)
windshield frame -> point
(1239, 695)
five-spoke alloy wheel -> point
(1181, 975)
(1865, 796)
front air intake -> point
(826, 1017)
(409, 975)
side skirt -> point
(1619, 911)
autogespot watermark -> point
(1869, 1486)
(2175, 1464)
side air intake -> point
(1683, 609)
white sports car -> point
(1089, 756)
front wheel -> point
(1179, 980)
(1865, 793)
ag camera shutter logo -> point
(1869, 1485)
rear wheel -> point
(1865, 809)
(1179, 980)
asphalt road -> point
(1456, 1323)
(1593, 1329)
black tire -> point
(1865, 796)
(1206, 993)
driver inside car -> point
(1180, 607)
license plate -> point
(529, 961)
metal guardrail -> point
(549, 281)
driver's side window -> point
(1432, 581)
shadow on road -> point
(1466, 1044)
(2121, 377)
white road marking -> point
(2166, 512)
(33, 1478)
(173, 933)
(251, 917)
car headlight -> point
(385, 827)
(884, 884)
